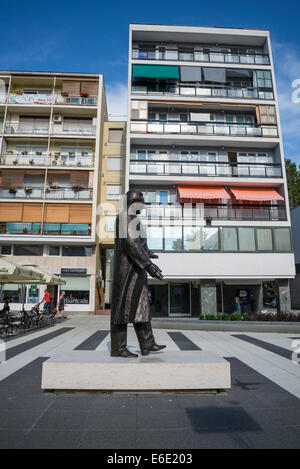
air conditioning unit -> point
(57, 118)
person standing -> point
(238, 308)
(47, 301)
(61, 306)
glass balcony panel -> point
(247, 59)
(216, 57)
(262, 60)
(235, 93)
(138, 127)
(269, 132)
(207, 129)
(253, 132)
(188, 129)
(138, 168)
(173, 168)
(250, 94)
(219, 92)
(171, 55)
(273, 172)
(257, 171)
(186, 56)
(172, 128)
(157, 128)
(231, 58)
(222, 130)
(155, 168)
(188, 91)
(203, 91)
(190, 169)
(201, 57)
(223, 170)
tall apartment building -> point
(51, 139)
(204, 145)
(111, 186)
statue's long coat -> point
(130, 285)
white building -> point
(204, 128)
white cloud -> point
(117, 101)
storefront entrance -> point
(179, 299)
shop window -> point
(77, 290)
(246, 239)
(6, 249)
(12, 293)
(32, 294)
(282, 239)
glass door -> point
(179, 299)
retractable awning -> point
(155, 71)
(202, 192)
(256, 194)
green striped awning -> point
(155, 71)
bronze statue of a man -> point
(132, 261)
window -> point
(282, 239)
(30, 250)
(110, 223)
(229, 239)
(163, 197)
(173, 238)
(6, 249)
(77, 290)
(155, 238)
(113, 192)
(115, 135)
(191, 238)
(264, 239)
(246, 239)
(54, 250)
(77, 251)
(210, 241)
(115, 163)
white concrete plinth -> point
(92, 370)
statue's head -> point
(134, 196)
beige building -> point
(111, 188)
(51, 130)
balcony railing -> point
(198, 56)
(216, 212)
(3, 98)
(50, 229)
(205, 91)
(205, 128)
(61, 160)
(55, 129)
(66, 193)
(24, 98)
(205, 168)
(76, 100)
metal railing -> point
(204, 91)
(205, 168)
(47, 159)
(76, 100)
(66, 193)
(59, 229)
(53, 129)
(205, 128)
(24, 98)
(216, 212)
(200, 56)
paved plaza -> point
(262, 409)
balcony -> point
(75, 100)
(231, 212)
(202, 169)
(25, 129)
(50, 193)
(31, 98)
(204, 129)
(201, 55)
(47, 159)
(202, 91)
(54, 129)
(46, 229)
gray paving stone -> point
(108, 439)
(12, 439)
(62, 420)
(158, 402)
(52, 439)
(173, 419)
(72, 403)
(18, 419)
(111, 421)
(114, 404)
(214, 419)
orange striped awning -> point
(202, 192)
(256, 194)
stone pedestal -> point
(163, 371)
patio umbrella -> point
(48, 278)
(15, 273)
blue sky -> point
(92, 36)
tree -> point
(293, 182)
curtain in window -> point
(218, 75)
(190, 73)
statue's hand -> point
(154, 271)
(152, 255)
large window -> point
(191, 238)
(77, 290)
(246, 239)
(113, 192)
(155, 238)
(264, 239)
(79, 251)
(229, 239)
(173, 238)
(282, 239)
(210, 239)
(30, 250)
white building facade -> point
(204, 145)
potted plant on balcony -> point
(28, 190)
(84, 153)
(78, 163)
(39, 153)
(15, 162)
(9, 152)
(77, 188)
(12, 190)
(31, 162)
(25, 229)
(84, 94)
(71, 153)
(25, 152)
(57, 155)
(19, 92)
(65, 93)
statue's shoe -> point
(154, 348)
(124, 354)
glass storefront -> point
(77, 290)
